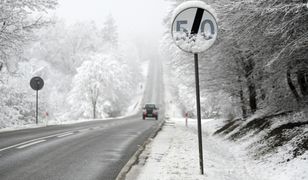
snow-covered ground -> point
(173, 154)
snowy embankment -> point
(173, 154)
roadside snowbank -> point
(173, 154)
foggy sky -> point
(136, 19)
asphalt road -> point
(85, 151)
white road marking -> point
(42, 139)
(83, 130)
(30, 144)
(37, 139)
(63, 135)
(9, 147)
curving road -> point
(85, 151)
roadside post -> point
(194, 30)
(46, 117)
(36, 84)
(186, 117)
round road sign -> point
(194, 27)
(36, 83)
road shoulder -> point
(173, 154)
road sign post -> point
(36, 107)
(194, 30)
(36, 84)
(198, 113)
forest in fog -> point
(258, 63)
(88, 73)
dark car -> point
(150, 110)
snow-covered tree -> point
(60, 54)
(98, 86)
(109, 34)
(259, 59)
(273, 34)
(17, 23)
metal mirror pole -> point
(36, 107)
(198, 112)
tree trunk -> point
(302, 82)
(252, 97)
(292, 87)
(94, 110)
(243, 107)
(302, 79)
(249, 67)
(242, 99)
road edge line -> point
(135, 157)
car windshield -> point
(150, 106)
